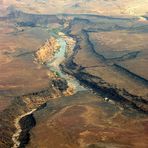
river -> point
(59, 57)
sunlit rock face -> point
(46, 52)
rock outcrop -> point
(46, 52)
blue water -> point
(62, 50)
(60, 54)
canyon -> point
(70, 80)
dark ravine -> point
(100, 86)
(119, 68)
(90, 44)
(17, 107)
(6, 119)
(115, 60)
(27, 123)
(131, 74)
(104, 89)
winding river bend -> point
(59, 57)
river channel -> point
(53, 65)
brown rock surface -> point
(102, 60)
(47, 51)
(85, 120)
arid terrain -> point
(73, 74)
(100, 7)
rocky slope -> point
(46, 52)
